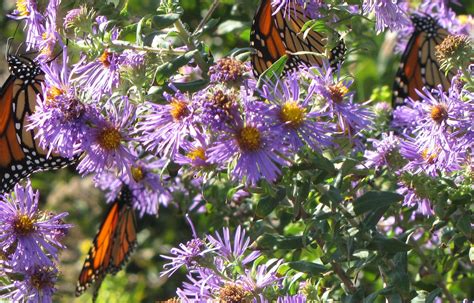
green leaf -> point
(269, 241)
(169, 68)
(464, 225)
(266, 205)
(373, 217)
(311, 268)
(323, 163)
(273, 71)
(388, 245)
(163, 21)
(375, 199)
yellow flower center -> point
(22, 8)
(439, 113)
(24, 224)
(429, 157)
(104, 58)
(137, 173)
(196, 153)
(338, 92)
(249, 138)
(52, 93)
(110, 138)
(292, 114)
(179, 109)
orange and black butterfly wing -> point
(20, 154)
(265, 39)
(274, 35)
(419, 67)
(125, 239)
(98, 259)
(112, 245)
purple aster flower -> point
(34, 21)
(251, 149)
(219, 107)
(337, 100)
(387, 14)
(48, 39)
(106, 145)
(412, 198)
(100, 76)
(27, 235)
(164, 129)
(132, 59)
(201, 285)
(189, 254)
(405, 117)
(292, 113)
(195, 153)
(36, 285)
(60, 119)
(144, 182)
(227, 70)
(444, 115)
(261, 276)
(429, 160)
(236, 251)
(292, 299)
(385, 150)
(187, 73)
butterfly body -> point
(20, 153)
(419, 67)
(274, 35)
(113, 244)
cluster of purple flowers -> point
(222, 267)
(30, 241)
(434, 138)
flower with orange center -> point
(197, 153)
(22, 8)
(429, 157)
(105, 58)
(337, 92)
(179, 109)
(24, 225)
(249, 138)
(439, 113)
(292, 114)
(109, 138)
(52, 93)
(138, 173)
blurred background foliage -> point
(372, 64)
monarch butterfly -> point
(113, 244)
(20, 154)
(274, 35)
(419, 66)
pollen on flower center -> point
(338, 92)
(105, 58)
(196, 153)
(179, 109)
(110, 138)
(429, 157)
(52, 93)
(24, 224)
(292, 114)
(249, 138)
(22, 8)
(42, 279)
(232, 293)
(439, 113)
(138, 173)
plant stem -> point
(188, 40)
(339, 271)
(208, 15)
